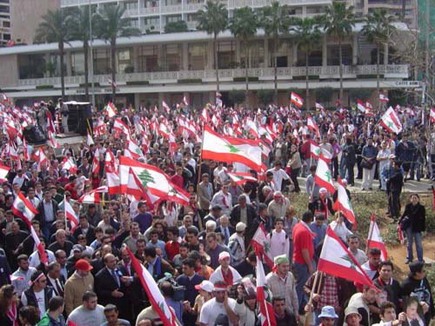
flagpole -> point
(370, 231)
(64, 212)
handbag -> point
(405, 222)
(367, 164)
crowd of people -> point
(200, 253)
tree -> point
(339, 21)
(378, 29)
(176, 27)
(244, 25)
(213, 20)
(274, 19)
(110, 24)
(54, 28)
(79, 26)
(265, 96)
(307, 34)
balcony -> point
(167, 77)
(72, 3)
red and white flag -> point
(319, 107)
(101, 128)
(166, 107)
(369, 110)
(186, 100)
(391, 122)
(324, 176)
(113, 182)
(158, 302)
(375, 239)
(93, 196)
(23, 208)
(70, 214)
(222, 148)
(432, 115)
(343, 202)
(267, 314)
(120, 126)
(69, 165)
(383, 98)
(261, 244)
(41, 159)
(315, 150)
(296, 100)
(89, 140)
(313, 126)
(241, 178)
(111, 110)
(42, 254)
(335, 259)
(4, 170)
(52, 140)
(361, 106)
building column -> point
(355, 49)
(266, 52)
(210, 55)
(386, 54)
(185, 56)
(68, 71)
(295, 53)
(324, 50)
(160, 57)
(304, 11)
(136, 64)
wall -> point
(9, 70)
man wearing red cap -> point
(80, 282)
(225, 272)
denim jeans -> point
(302, 275)
(410, 235)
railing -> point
(265, 73)
(65, 3)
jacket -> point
(251, 214)
(41, 215)
(46, 320)
(417, 216)
(203, 196)
(31, 298)
(74, 289)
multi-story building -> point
(158, 65)
(5, 22)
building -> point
(26, 16)
(5, 22)
(168, 66)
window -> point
(226, 54)
(198, 56)
(101, 61)
(31, 66)
(173, 55)
(6, 24)
(77, 63)
(148, 58)
(124, 61)
(256, 54)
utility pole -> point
(91, 70)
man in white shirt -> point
(223, 199)
(21, 277)
(220, 309)
(279, 241)
(90, 313)
(225, 272)
(278, 175)
(353, 243)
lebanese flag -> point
(336, 260)
(261, 244)
(89, 140)
(185, 100)
(134, 149)
(313, 126)
(52, 141)
(110, 162)
(164, 130)
(391, 122)
(42, 254)
(228, 149)
(432, 115)
(166, 106)
(319, 107)
(26, 153)
(113, 183)
(315, 150)
(120, 126)
(4, 170)
(158, 302)
(134, 186)
(343, 203)
(101, 128)
(41, 159)
(241, 178)
(154, 179)
(375, 239)
(267, 315)
(95, 165)
(111, 110)
(324, 176)
(383, 98)
(369, 110)
(70, 214)
(22, 207)
(69, 165)
(93, 196)
(204, 115)
(296, 100)
(361, 106)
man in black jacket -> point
(394, 189)
(37, 289)
(242, 212)
(47, 209)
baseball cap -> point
(220, 288)
(224, 255)
(351, 311)
(77, 247)
(205, 285)
(323, 191)
(83, 265)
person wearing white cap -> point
(225, 272)
(220, 309)
(322, 205)
(205, 289)
(236, 243)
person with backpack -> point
(236, 244)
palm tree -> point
(80, 30)
(213, 20)
(244, 25)
(274, 19)
(111, 24)
(54, 28)
(378, 29)
(339, 21)
(306, 32)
